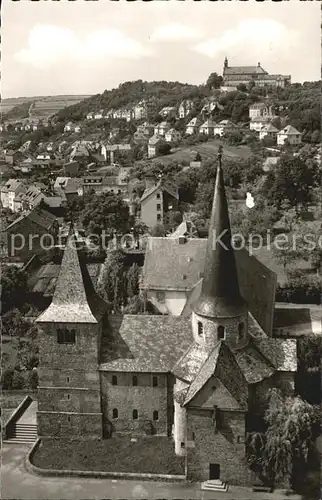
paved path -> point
(19, 484)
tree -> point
(14, 287)
(105, 212)
(292, 428)
(214, 81)
(164, 149)
(158, 230)
(111, 285)
(291, 180)
(133, 278)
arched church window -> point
(65, 336)
(114, 380)
(200, 328)
(221, 332)
(241, 329)
(115, 413)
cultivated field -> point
(44, 106)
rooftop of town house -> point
(164, 186)
(38, 216)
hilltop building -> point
(193, 380)
(235, 75)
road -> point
(20, 484)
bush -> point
(300, 291)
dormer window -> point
(221, 332)
(200, 328)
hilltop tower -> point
(69, 400)
(225, 63)
(220, 313)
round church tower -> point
(221, 313)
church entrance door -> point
(214, 471)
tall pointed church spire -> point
(75, 299)
(220, 296)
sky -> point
(85, 47)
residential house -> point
(259, 122)
(110, 151)
(259, 109)
(140, 111)
(11, 156)
(68, 186)
(69, 127)
(9, 191)
(90, 116)
(268, 131)
(193, 126)
(210, 106)
(77, 129)
(33, 232)
(289, 135)
(25, 147)
(173, 135)
(167, 111)
(157, 201)
(154, 144)
(102, 184)
(223, 127)
(99, 115)
(208, 127)
(28, 199)
(185, 108)
(161, 128)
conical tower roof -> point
(220, 295)
(75, 299)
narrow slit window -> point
(135, 414)
(114, 380)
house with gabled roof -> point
(193, 126)
(33, 232)
(190, 380)
(268, 131)
(290, 135)
(158, 199)
(207, 127)
(154, 144)
(9, 191)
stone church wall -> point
(224, 447)
(143, 397)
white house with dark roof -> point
(290, 135)
(9, 191)
(259, 122)
(193, 126)
(208, 127)
(173, 135)
(161, 128)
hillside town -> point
(125, 325)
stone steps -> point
(23, 433)
(214, 485)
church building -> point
(235, 75)
(194, 380)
